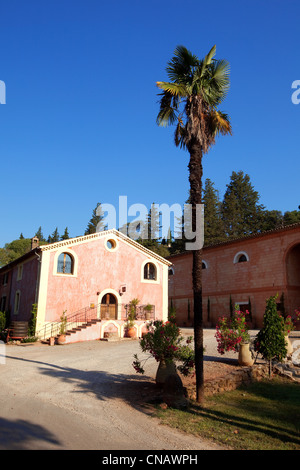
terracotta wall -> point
(273, 268)
(99, 271)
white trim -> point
(105, 323)
(75, 262)
(150, 281)
(95, 236)
(114, 241)
(119, 302)
(240, 253)
(43, 290)
(205, 264)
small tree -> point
(2, 321)
(32, 323)
(270, 341)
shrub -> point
(231, 332)
(270, 341)
(165, 343)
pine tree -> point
(241, 212)
(65, 236)
(96, 223)
(291, 217)
(39, 235)
(213, 224)
(54, 237)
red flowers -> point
(165, 343)
(230, 333)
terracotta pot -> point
(245, 357)
(165, 369)
(131, 332)
(61, 339)
(289, 346)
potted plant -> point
(130, 329)
(62, 329)
(232, 334)
(148, 309)
(165, 344)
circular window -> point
(111, 244)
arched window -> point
(204, 264)
(65, 264)
(241, 257)
(150, 271)
(17, 302)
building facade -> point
(98, 275)
(246, 272)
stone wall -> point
(232, 380)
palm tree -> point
(190, 101)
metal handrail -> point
(90, 313)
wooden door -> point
(109, 307)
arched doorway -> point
(109, 307)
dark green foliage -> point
(269, 341)
(96, 221)
(213, 224)
(65, 236)
(32, 322)
(2, 321)
(14, 250)
(241, 212)
(54, 237)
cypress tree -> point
(241, 212)
(213, 224)
(270, 341)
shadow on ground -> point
(16, 434)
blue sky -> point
(79, 123)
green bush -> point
(270, 341)
(2, 321)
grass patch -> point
(262, 416)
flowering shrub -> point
(231, 332)
(297, 313)
(288, 325)
(164, 342)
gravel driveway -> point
(83, 396)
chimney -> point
(34, 243)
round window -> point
(111, 244)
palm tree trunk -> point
(195, 178)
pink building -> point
(90, 278)
(245, 272)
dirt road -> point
(83, 396)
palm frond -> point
(220, 123)
(220, 78)
(207, 60)
(182, 63)
(168, 109)
(180, 134)
(173, 88)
